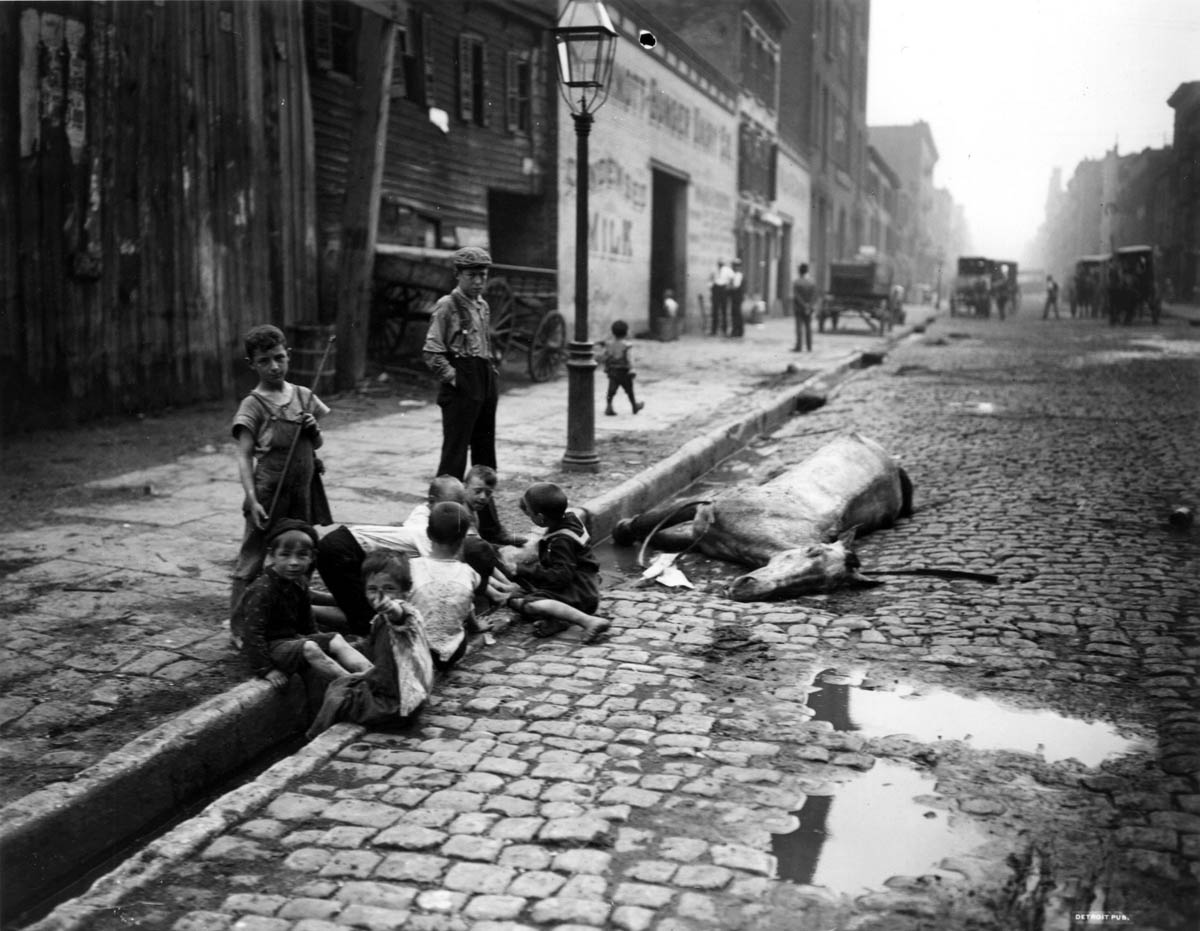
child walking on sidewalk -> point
(618, 367)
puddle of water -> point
(982, 723)
(618, 564)
(869, 830)
(1148, 348)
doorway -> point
(668, 248)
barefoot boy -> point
(266, 423)
(562, 588)
(274, 619)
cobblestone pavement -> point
(648, 781)
(113, 604)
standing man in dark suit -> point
(458, 349)
(737, 293)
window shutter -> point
(321, 35)
(399, 86)
(427, 56)
(464, 79)
(511, 101)
(485, 102)
(537, 87)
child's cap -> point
(280, 527)
(545, 498)
(449, 522)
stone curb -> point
(45, 836)
(188, 839)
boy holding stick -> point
(277, 434)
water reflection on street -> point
(983, 723)
(869, 830)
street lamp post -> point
(586, 41)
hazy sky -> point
(1013, 89)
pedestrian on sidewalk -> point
(737, 294)
(458, 350)
(1051, 298)
(618, 366)
(562, 587)
(273, 416)
(719, 292)
(274, 621)
(804, 305)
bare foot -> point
(595, 630)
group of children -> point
(419, 583)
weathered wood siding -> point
(157, 159)
(448, 175)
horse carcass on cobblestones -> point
(795, 530)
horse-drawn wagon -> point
(523, 301)
(1135, 270)
(972, 287)
(862, 287)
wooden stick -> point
(287, 463)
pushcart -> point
(523, 301)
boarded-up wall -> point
(163, 196)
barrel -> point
(306, 345)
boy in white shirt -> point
(443, 586)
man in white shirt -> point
(720, 299)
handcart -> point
(523, 301)
(861, 287)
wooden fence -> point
(156, 199)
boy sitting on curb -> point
(274, 619)
(562, 586)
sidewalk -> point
(117, 620)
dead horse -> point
(796, 530)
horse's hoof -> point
(622, 533)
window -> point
(519, 92)
(760, 63)
(472, 80)
(333, 34)
(757, 156)
(840, 144)
(400, 66)
(845, 62)
(400, 223)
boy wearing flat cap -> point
(458, 350)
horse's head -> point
(806, 570)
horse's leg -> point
(674, 539)
(631, 529)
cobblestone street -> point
(649, 781)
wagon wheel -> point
(501, 304)
(389, 320)
(548, 347)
